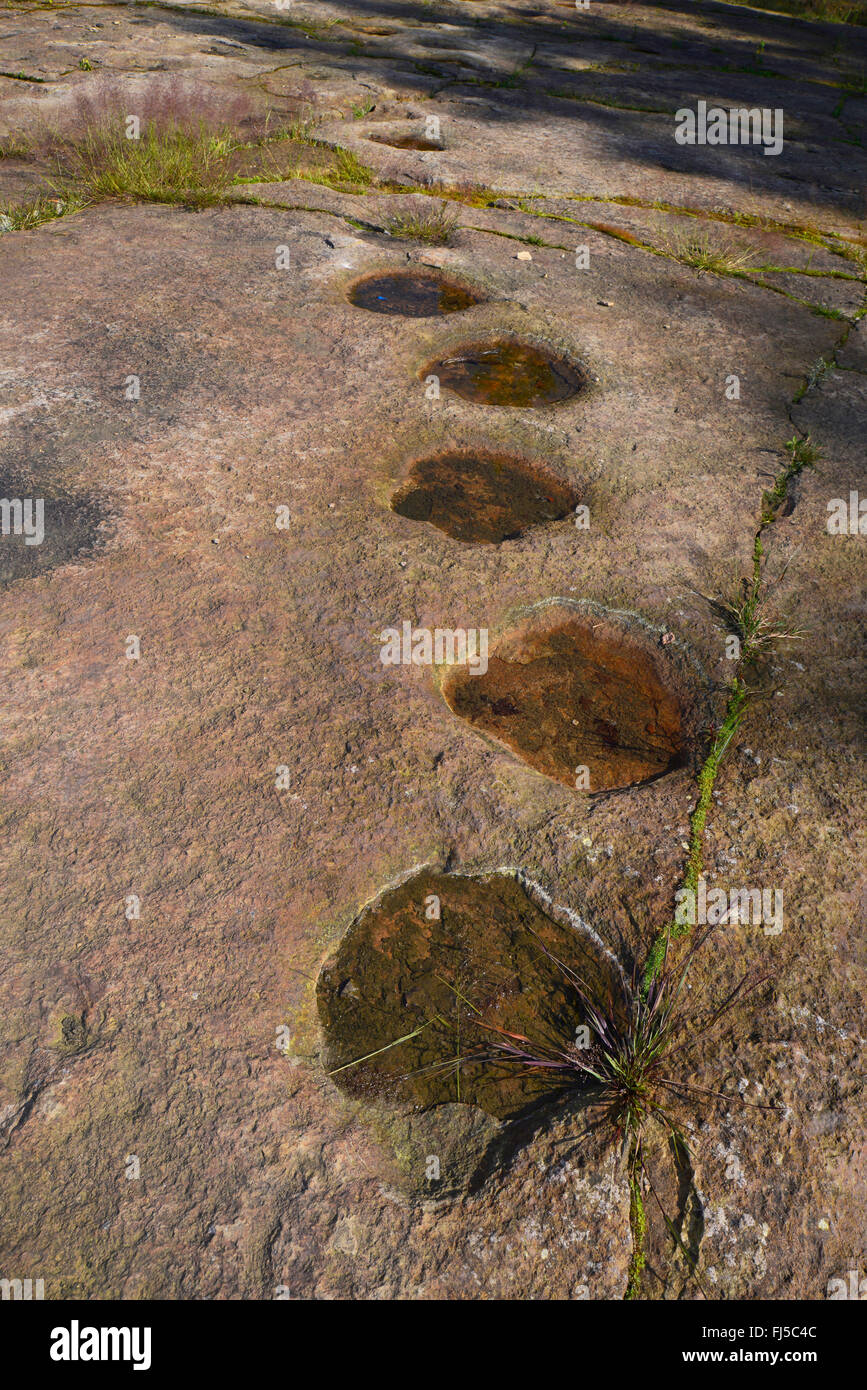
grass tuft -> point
(633, 1068)
(346, 170)
(23, 217)
(815, 376)
(168, 164)
(433, 228)
(13, 147)
(803, 453)
(704, 256)
(302, 130)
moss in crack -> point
(734, 713)
(637, 1225)
(757, 630)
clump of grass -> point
(631, 1068)
(162, 101)
(751, 621)
(475, 195)
(516, 77)
(345, 170)
(302, 130)
(350, 169)
(13, 147)
(23, 217)
(851, 252)
(166, 164)
(803, 453)
(183, 152)
(815, 376)
(750, 615)
(188, 138)
(704, 256)
(634, 1065)
(433, 228)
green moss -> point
(756, 632)
(637, 1226)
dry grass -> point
(168, 164)
(433, 228)
(345, 170)
(699, 252)
(168, 140)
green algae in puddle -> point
(412, 293)
(482, 497)
(433, 958)
(506, 373)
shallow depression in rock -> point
(437, 958)
(406, 142)
(569, 692)
(506, 373)
(480, 496)
(412, 293)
